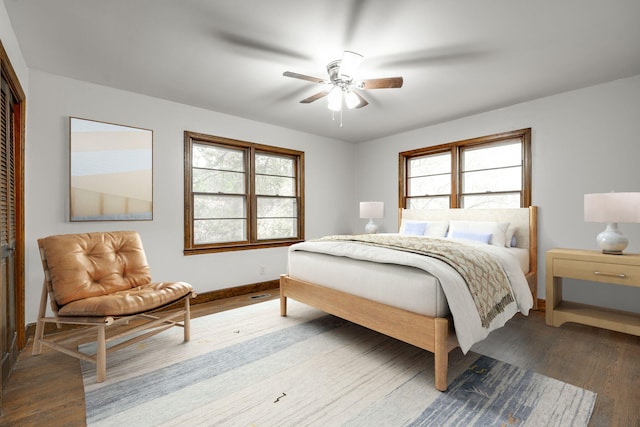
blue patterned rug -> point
(251, 367)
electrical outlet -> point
(262, 270)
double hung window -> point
(492, 171)
(241, 195)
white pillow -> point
(498, 230)
(437, 228)
(433, 228)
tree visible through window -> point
(488, 172)
(241, 195)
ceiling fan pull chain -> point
(333, 116)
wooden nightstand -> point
(596, 267)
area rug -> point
(252, 367)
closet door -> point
(9, 112)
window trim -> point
(190, 248)
(455, 148)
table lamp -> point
(371, 210)
(612, 208)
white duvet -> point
(465, 316)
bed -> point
(415, 298)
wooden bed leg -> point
(441, 355)
(283, 299)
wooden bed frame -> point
(434, 334)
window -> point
(241, 195)
(488, 172)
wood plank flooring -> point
(47, 389)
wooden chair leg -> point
(101, 355)
(187, 319)
(42, 311)
(37, 339)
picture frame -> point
(111, 171)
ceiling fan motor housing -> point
(333, 68)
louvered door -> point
(8, 285)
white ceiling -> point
(457, 57)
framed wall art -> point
(111, 172)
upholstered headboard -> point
(524, 220)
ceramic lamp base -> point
(371, 227)
(611, 240)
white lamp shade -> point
(612, 207)
(351, 100)
(349, 65)
(335, 99)
(371, 209)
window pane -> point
(438, 184)
(507, 179)
(492, 201)
(267, 185)
(205, 206)
(428, 203)
(277, 228)
(274, 165)
(276, 207)
(216, 157)
(219, 230)
(430, 165)
(493, 156)
(215, 181)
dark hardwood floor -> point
(599, 360)
(47, 389)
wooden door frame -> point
(6, 70)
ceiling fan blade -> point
(315, 97)
(363, 102)
(258, 46)
(387, 82)
(354, 13)
(303, 77)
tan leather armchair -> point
(102, 280)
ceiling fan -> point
(342, 83)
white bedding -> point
(417, 291)
(465, 316)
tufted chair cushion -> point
(131, 301)
(104, 274)
(93, 264)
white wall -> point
(583, 141)
(328, 166)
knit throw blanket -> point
(486, 279)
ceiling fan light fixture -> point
(342, 83)
(335, 99)
(351, 99)
(349, 65)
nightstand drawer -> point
(621, 274)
